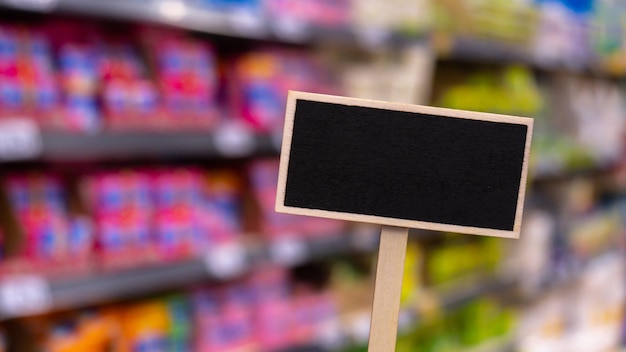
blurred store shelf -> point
(63, 146)
(172, 13)
(546, 172)
(28, 144)
(480, 50)
(239, 24)
(24, 295)
(458, 297)
(260, 26)
(304, 348)
(489, 51)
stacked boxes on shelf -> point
(75, 76)
(129, 217)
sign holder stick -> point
(387, 289)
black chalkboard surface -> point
(404, 165)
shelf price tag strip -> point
(34, 5)
(24, 295)
(19, 139)
(226, 260)
(289, 251)
(402, 166)
(235, 140)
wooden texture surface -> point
(388, 287)
(481, 157)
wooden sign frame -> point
(330, 164)
(404, 223)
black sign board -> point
(404, 165)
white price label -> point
(24, 295)
(19, 139)
(234, 140)
(289, 251)
(38, 5)
(173, 10)
(227, 260)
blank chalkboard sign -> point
(403, 165)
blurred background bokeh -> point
(138, 166)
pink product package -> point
(312, 311)
(223, 318)
(39, 203)
(78, 75)
(122, 209)
(260, 81)
(77, 47)
(176, 195)
(180, 212)
(186, 71)
(274, 316)
(114, 192)
(251, 313)
(129, 97)
(27, 80)
(220, 212)
(123, 232)
(264, 179)
(316, 13)
(274, 322)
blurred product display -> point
(139, 146)
(251, 313)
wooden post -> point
(387, 289)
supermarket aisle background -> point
(138, 165)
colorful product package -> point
(27, 79)
(122, 209)
(79, 80)
(186, 71)
(260, 81)
(181, 324)
(129, 98)
(220, 212)
(40, 206)
(263, 175)
(176, 195)
(223, 319)
(77, 47)
(313, 310)
(145, 326)
(170, 213)
(274, 315)
(313, 13)
(195, 211)
(87, 330)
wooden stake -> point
(387, 289)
